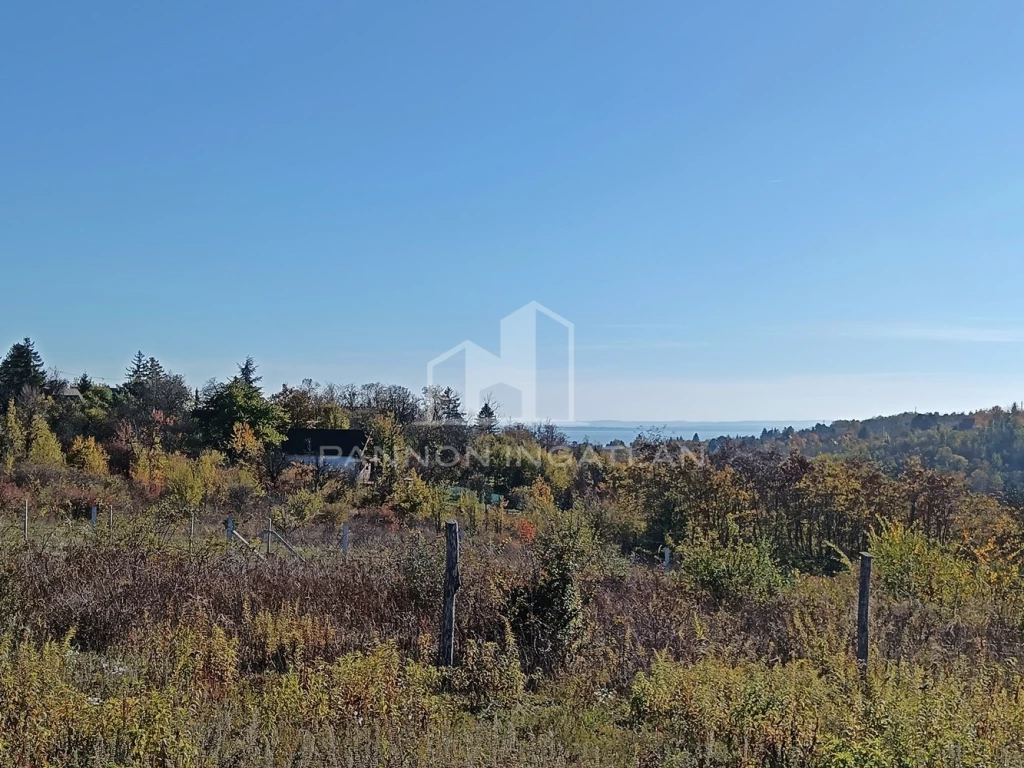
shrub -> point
(547, 613)
(729, 573)
(734, 714)
(301, 508)
(488, 674)
(911, 566)
(286, 639)
(752, 714)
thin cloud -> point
(631, 345)
(643, 326)
(958, 334)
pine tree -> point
(137, 370)
(486, 419)
(449, 406)
(247, 373)
(23, 367)
(153, 370)
(239, 401)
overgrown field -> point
(136, 646)
(124, 648)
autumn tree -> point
(13, 443)
(86, 454)
(313, 406)
(153, 401)
(43, 447)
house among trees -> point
(70, 393)
(334, 448)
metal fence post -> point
(231, 527)
(93, 514)
(344, 542)
(24, 523)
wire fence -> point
(244, 535)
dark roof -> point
(309, 442)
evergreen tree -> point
(154, 370)
(23, 367)
(487, 419)
(239, 402)
(153, 398)
(136, 371)
(247, 372)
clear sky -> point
(749, 210)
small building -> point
(333, 448)
(70, 393)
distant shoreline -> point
(604, 431)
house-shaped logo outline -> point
(516, 366)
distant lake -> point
(602, 433)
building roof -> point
(313, 442)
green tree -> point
(89, 456)
(487, 419)
(239, 401)
(311, 405)
(12, 438)
(150, 387)
(43, 446)
(21, 368)
(548, 612)
(185, 485)
(385, 450)
(152, 400)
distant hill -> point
(986, 447)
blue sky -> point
(749, 210)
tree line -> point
(811, 498)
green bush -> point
(728, 573)
(489, 674)
(548, 615)
(912, 566)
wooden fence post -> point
(270, 533)
(668, 559)
(93, 514)
(446, 654)
(110, 517)
(24, 523)
(863, 601)
(231, 527)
